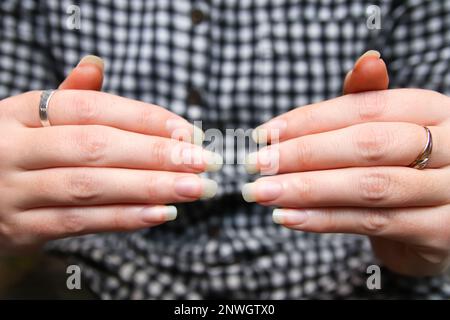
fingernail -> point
(214, 161)
(190, 187)
(198, 158)
(347, 76)
(373, 53)
(272, 130)
(198, 136)
(289, 216)
(269, 160)
(370, 53)
(266, 161)
(261, 191)
(196, 187)
(209, 189)
(91, 59)
(248, 193)
(159, 213)
(251, 163)
(171, 213)
(180, 130)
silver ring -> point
(43, 107)
(424, 157)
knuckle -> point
(72, 222)
(91, 144)
(86, 108)
(304, 189)
(81, 186)
(441, 235)
(145, 118)
(371, 143)
(375, 221)
(159, 152)
(120, 222)
(309, 115)
(117, 222)
(6, 232)
(374, 186)
(371, 105)
(151, 190)
(304, 154)
(11, 237)
(434, 255)
(328, 224)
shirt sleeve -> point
(417, 45)
(25, 62)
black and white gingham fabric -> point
(248, 61)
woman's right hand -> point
(107, 163)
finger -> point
(352, 187)
(421, 107)
(100, 146)
(416, 226)
(368, 74)
(55, 223)
(362, 145)
(75, 107)
(100, 186)
(87, 75)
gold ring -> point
(424, 157)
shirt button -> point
(194, 97)
(197, 16)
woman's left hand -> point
(342, 166)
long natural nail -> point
(289, 217)
(248, 193)
(155, 214)
(195, 187)
(370, 53)
(190, 187)
(209, 189)
(214, 161)
(197, 158)
(373, 53)
(251, 163)
(91, 59)
(266, 161)
(261, 191)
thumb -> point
(87, 75)
(369, 74)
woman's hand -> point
(342, 166)
(106, 164)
